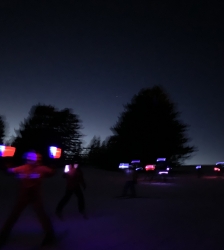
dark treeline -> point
(148, 128)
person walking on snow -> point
(74, 184)
(31, 175)
(131, 180)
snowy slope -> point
(185, 213)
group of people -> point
(31, 175)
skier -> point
(131, 180)
(75, 181)
(31, 175)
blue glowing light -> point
(135, 161)
(34, 176)
(219, 163)
(31, 156)
(198, 167)
(29, 176)
(123, 165)
(161, 159)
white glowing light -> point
(66, 169)
(163, 172)
(123, 165)
(2, 148)
(138, 168)
(53, 150)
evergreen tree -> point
(47, 126)
(150, 127)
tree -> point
(149, 128)
(94, 151)
(47, 126)
(98, 153)
(2, 135)
(2, 129)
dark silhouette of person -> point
(199, 171)
(31, 175)
(75, 180)
(131, 180)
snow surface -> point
(185, 213)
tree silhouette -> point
(149, 128)
(94, 153)
(99, 153)
(46, 126)
(2, 130)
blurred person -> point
(199, 172)
(74, 184)
(131, 181)
(30, 175)
(150, 174)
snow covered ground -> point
(184, 214)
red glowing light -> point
(216, 169)
(7, 151)
(149, 167)
(58, 153)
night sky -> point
(93, 56)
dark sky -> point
(93, 56)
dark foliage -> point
(2, 130)
(149, 128)
(46, 126)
